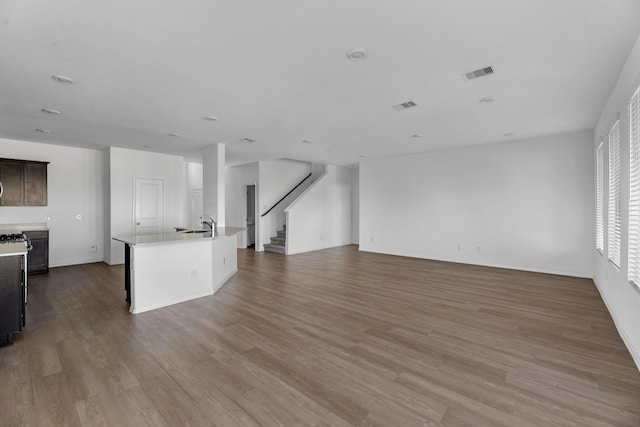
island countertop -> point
(174, 237)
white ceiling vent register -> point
(477, 73)
(405, 105)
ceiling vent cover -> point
(248, 140)
(477, 73)
(405, 105)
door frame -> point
(256, 219)
(191, 208)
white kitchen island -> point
(173, 267)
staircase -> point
(278, 243)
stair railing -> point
(285, 196)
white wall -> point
(622, 300)
(214, 171)
(355, 205)
(321, 216)
(125, 165)
(238, 177)
(524, 205)
(276, 178)
(75, 187)
(194, 181)
(106, 204)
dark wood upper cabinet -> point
(12, 179)
(24, 183)
(35, 184)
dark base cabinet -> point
(12, 310)
(38, 258)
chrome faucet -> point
(212, 224)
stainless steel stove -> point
(12, 238)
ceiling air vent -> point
(405, 105)
(248, 140)
(477, 73)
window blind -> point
(599, 198)
(614, 228)
(634, 188)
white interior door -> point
(149, 206)
(196, 207)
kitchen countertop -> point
(13, 248)
(19, 228)
(175, 237)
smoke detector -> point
(357, 54)
(481, 72)
(62, 79)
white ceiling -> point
(277, 71)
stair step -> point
(278, 249)
(282, 233)
(278, 241)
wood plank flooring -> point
(330, 338)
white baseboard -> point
(225, 280)
(138, 310)
(635, 354)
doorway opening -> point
(251, 216)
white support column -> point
(213, 166)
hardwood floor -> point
(330, 338)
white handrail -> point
(1, 189)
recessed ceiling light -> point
(211, 118)
(42, 130)
(51, 111)
(487, 100)
(62, 79)
(306, 141)
(417, 135)
(248, 140)
(175, 135)
(357, 54)
(509, 134)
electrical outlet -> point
(478, 249)
(194, 273)
(93, 248)
(224, 260)
(79, 217)
(371, 239)
(459, 246)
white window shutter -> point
(614, 228)
(600, 198)
(634, 189)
